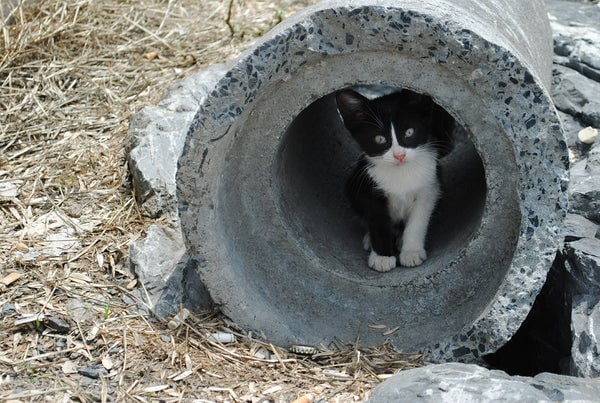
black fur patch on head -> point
(416, 119)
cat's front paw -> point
(411, 258)
(381, 263)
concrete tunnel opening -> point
(315, 158)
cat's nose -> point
(400, 156)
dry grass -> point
(72, 73)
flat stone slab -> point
(454, 382)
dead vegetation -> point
(72, 73)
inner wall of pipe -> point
(315, 159)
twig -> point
(46, 355)
(228, 19)
(32, 393)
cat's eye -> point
(409, 132)
(379, 139)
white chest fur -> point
(405, 185)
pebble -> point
(588, 135)
(7, 309)
(93, 372)
(21, 247)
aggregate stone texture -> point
(270, 271)
(454, 382)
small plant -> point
(30, 371)
(106, 311)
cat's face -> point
(394, 129)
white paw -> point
(411, 258)
(367, 242)
(381, 263)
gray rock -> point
(7, 309)
(154, 143)
(576, 95)
(93, 372)
(572, 126)
(585, 325)
(584, 256)
(578, 48)
(574, 13)
(160, 262)
(576, 227)
(583, 290)
(455, 382)
(156, 138)
(584, 191)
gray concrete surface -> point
(261, 176)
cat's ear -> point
(353, 107)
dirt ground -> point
(72, 73)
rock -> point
(155, 141)
(576, 95)
(588, 135)
(580, 50)
(93, 372)
(584, 190)
(455, 382)
(577, 45)
(160, 262)
(576, 227)
(572, 127)
(7, 309)
(583, 293)
(8, 190)
(586, 339)
(574, 13)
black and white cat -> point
(395, 185)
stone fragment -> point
(576, 227)
(572, 127)
(584, 190)
(454, 382)
(160, 262)
(578, 47)
(583, 293)
(588, 135)
(93, 372)
(574, 13)
(155, 141)
(585, 326)
(8, 190)
(576, 95)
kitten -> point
(394, 186)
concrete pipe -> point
(261, 178)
